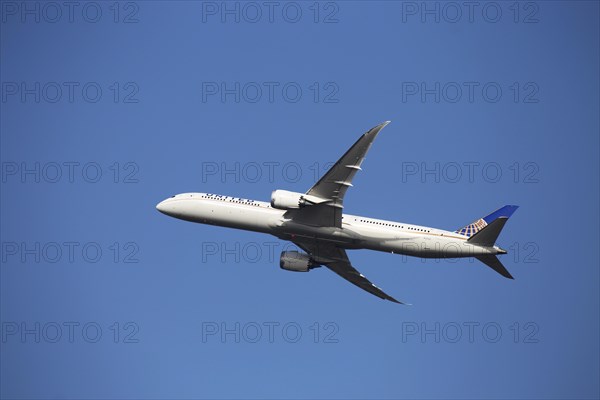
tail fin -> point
(488, 234)
(496, 265)
(485, 232)
(471, 229)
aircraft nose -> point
(162, 207)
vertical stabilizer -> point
(476, 226)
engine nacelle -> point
(296, 261)
(284, 200)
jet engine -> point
(284, 200)
(296, 261)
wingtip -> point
(393, 300)
(375, 130)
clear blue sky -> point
(472, 96)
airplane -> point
(314, 222)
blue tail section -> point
(481, 223)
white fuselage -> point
(356, 232)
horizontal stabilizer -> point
(496, 265)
